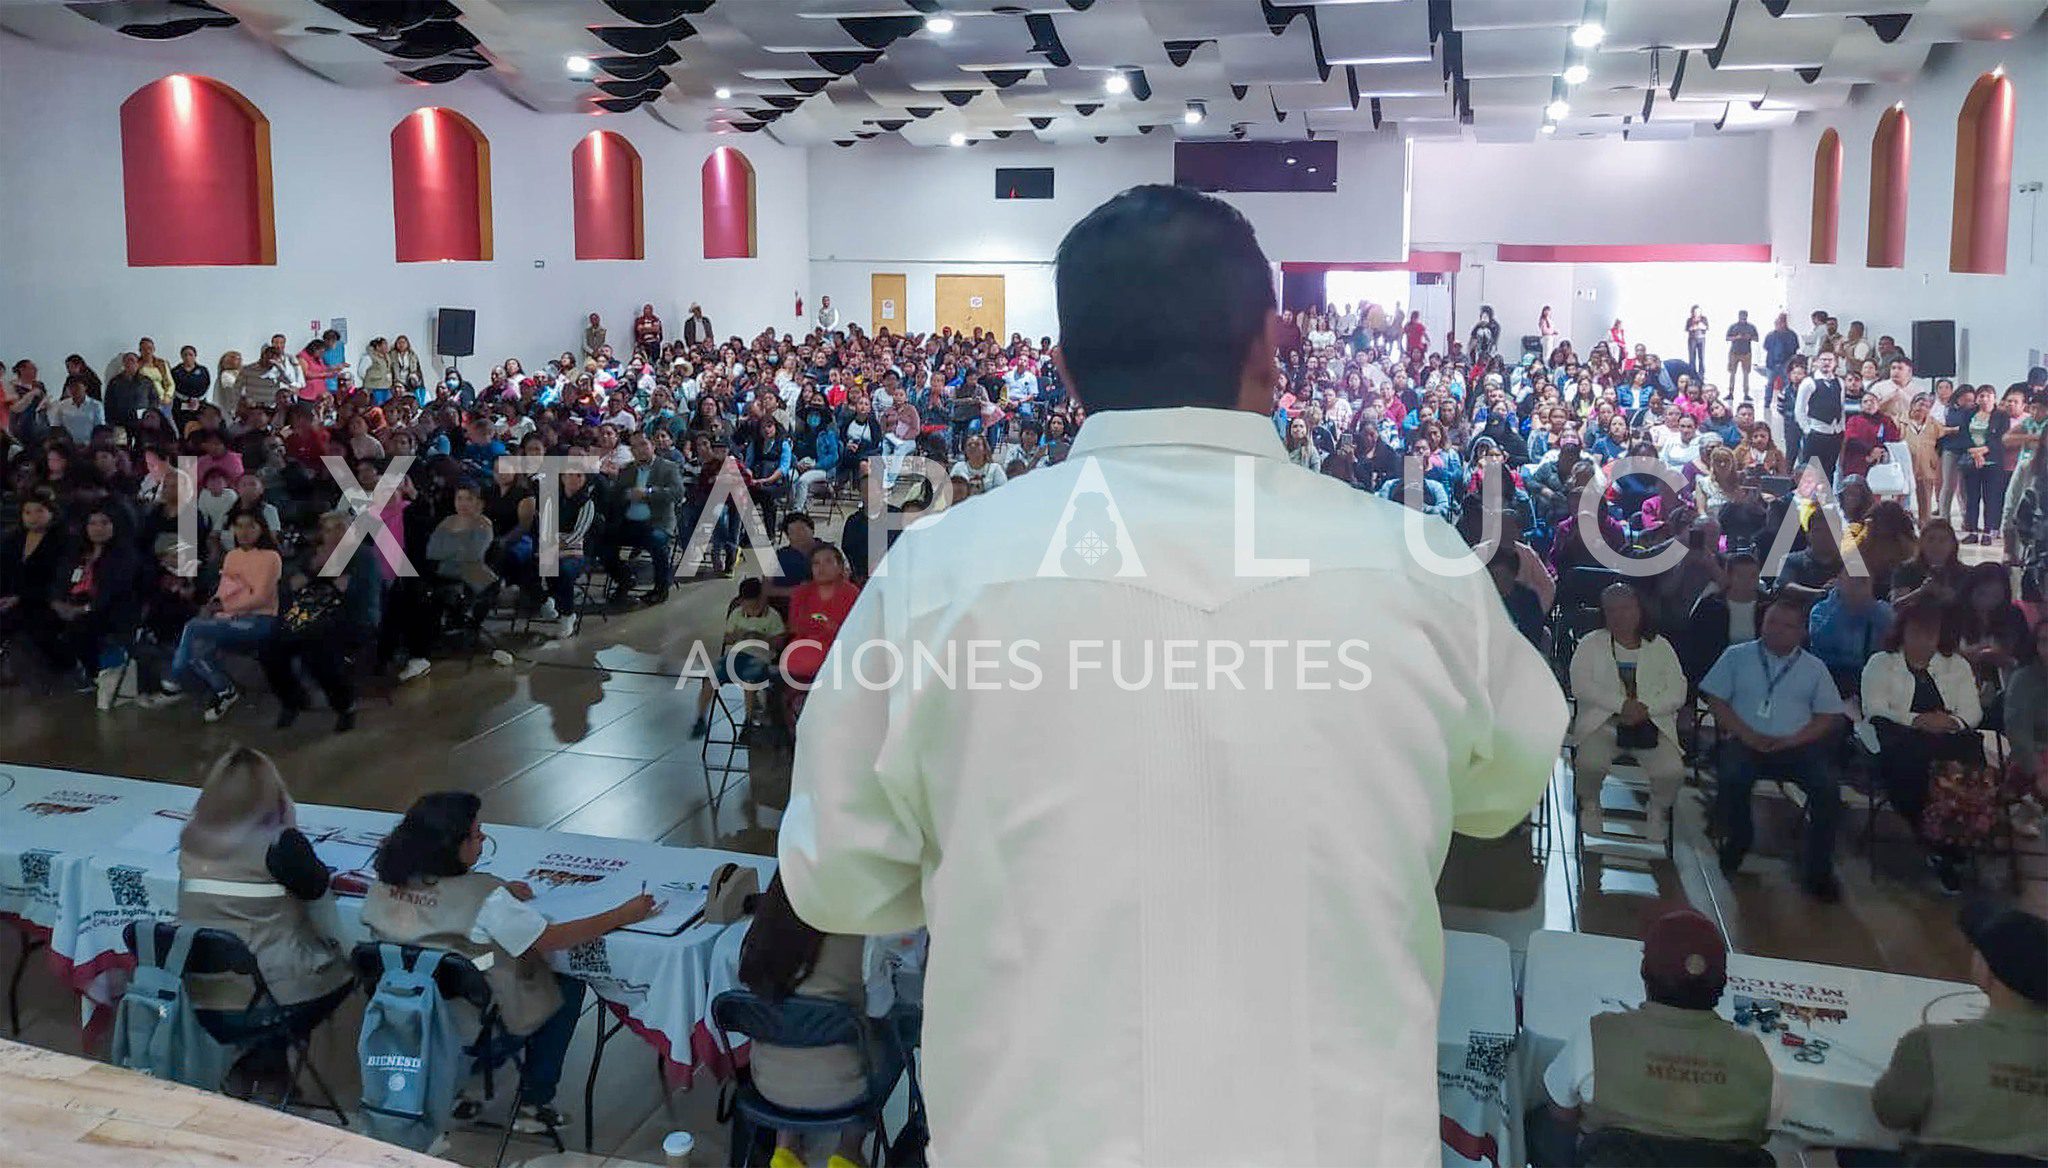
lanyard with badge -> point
(1771, 681)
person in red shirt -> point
(307, 442)
(816, 610)
(1415, 336)
(1863, 432)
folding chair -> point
(459, 980)
(30, 942)
(807, 1024)
(263, 1021)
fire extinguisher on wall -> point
(799, 305)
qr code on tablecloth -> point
(1486, 1055)
(590, 958)
(35, 869)
(128, 886)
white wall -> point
(1651, 299)
(884, 206)
(65, 285)
(1591, 190)
(2000, 319)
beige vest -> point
(1990, 1084)
(438, 914)
(1686, 1074)
(236, 894)
(377, 373)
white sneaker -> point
(565, 627)
(547, 610)
(218, 708)
(501, 657)
(108, 685)
(416, 667)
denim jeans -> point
(639, 533)
(545, 1050)
(205, 638)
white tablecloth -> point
(1860, 1013)
(1478, 1092)
(74, 866)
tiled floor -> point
(590, 736)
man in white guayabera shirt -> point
(1175, 811)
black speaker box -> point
(455, 332)
(1934, 348)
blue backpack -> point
(156, 1030)
(411, 1051)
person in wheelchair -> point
(427, 894)
(1669, 1070)
(1975, 1087)
(244, 868)
(783, 957)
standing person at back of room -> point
(1137, 878)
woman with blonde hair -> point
(244, 868)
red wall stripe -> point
(1635, 253)
(195, 175)
(440, 187)
(605, 175)
(1417, 261)
(728, 205)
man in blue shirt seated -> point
(1847, 626)
(1779, 713)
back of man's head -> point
(1163, 295)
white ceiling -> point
(811, 72)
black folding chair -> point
(807, 1024)
(264, 1021)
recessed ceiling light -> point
(1117, 83)
(1576, 74)
(579, 65)
(940, 25)
(958, 139)
(1587, 35)
(1557, 110)
(721, 93)
(1196, 113)
(1290, 162)
(1311, 170)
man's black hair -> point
(795, 517)
(1162, 293)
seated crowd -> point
(1804, 584)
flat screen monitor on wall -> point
(1023, 182)
(1256, 166)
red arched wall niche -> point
(605, 179)
(1983, 207)
(440, 187)
(1891, 163)
(1827, 199)
(728, 206)
(195, 175)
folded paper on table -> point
(157, 834)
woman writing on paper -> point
(244, 868)
(427, 894)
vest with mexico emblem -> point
(438, 914)
(1686, 1074)
(237, 894)
(1990, 1084)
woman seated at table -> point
(816, 610)
(1924, 710)
(244, 868)
(426, 894)
(241, 615)
(1629, 686)
(784, 957)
